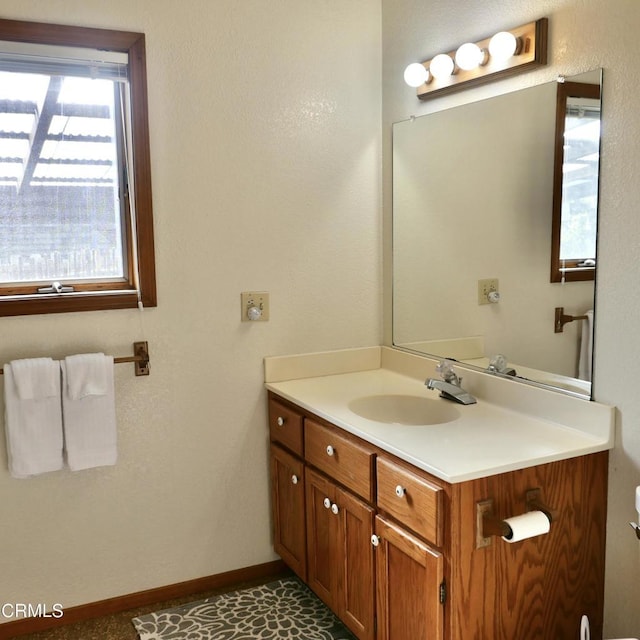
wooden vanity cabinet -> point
(424, 575)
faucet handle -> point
(445, 369)
(498, 362)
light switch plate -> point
(485, 287)
(256, 300)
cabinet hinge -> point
(443, 592)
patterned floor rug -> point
(282, 610)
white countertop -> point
(485, 439)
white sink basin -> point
(404, 409)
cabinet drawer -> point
(285, 426)
(410, 499)
(347, 462)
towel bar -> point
(140, 359)
(562, 319)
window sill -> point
(67, 303)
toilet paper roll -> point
(528, 525)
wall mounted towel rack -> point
(140, 358)
(562, 319)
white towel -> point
(586, 348)
(87, 375)
(33, 423)
(89, 420)
(36, 378)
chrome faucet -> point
(498, 364)
(450, 384)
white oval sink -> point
(402, 409)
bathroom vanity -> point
(390, 520)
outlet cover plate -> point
(259, 299)
(485, 287)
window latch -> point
(55, 287)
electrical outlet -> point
(254, 306)
(485, 287)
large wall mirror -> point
(473, 202)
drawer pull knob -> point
(327, 503)
(335, 509)
(375, 540)
(330, 450)
(400, 491)
(280, 421)
(294, 479)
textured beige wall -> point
(584, 34)
(265, 139)
(265, 143)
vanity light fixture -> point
(442, 66)
(505, 54)
(470, 55)
(504, 45)
(416, 74)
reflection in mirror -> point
(472, 214)
(575, 187)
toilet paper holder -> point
(489, 525)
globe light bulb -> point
(441, 66)
(503, 45)
(416, 74)
(469, 56)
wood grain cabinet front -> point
(288, 509)
(285, 426)
(409, 576)
(348, 462)
(339, 552)
(410, 499)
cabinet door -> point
(356, 584)
(409, 574)
(322, 528)
(339, 551)
(287, 501)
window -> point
(575, 190)
(76, 225)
